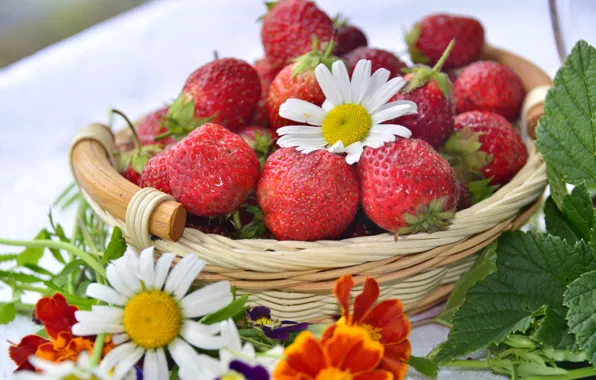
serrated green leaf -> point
(579, 212)
(32, 255)
(556, 224)
(566, 134)
(558, 187)
(484, 265)
(116, 247)
(8, 312)
(230, 311)
(424, 366)
(533, 271)
(580, 298)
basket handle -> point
(91, 163)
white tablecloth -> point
(139, 60)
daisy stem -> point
(86, 257)
(97, 350)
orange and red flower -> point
(348, 353)
(385, 322)
(57, 317)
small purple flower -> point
(249, 372)
(260, 317)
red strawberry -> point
(489, 86)
(307, 196)
(266, 75)
(132, 175)
(407, 187)
(260, 140)
(288, 29)
(378, 58)
(298, 80)
(212, 171)
(485, 146)
(155, 174)
(362, 226)
(151, 126)
(464, 196)
(429, 38)
(347, 37)
(226, 89)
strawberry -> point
(151, 126)
(378, 57)
(288, 28)
(131, 163)
(307, 196)
(432, 92)
(260, 140)
(347, 37)
(429, 38)
(361, 226)
(485, 146)
(226, 91)
(464, 196)
(266, 75)
(407, 187)
(212, 171)
(217, 225)
(155, 173)
(297, 80)
(489, 86)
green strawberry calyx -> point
(180, 119)
(430, 218)
(423, 74)
(138, 157)
(462, 151)
(263, 145)
(340, 20)
(411, 40)
(480, 189)
(312, 59)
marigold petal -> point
(351, 348)
(304, 356)
(378, 374)
(388, 316)
(342, 292)
(327, 334)
(55, 314)
(20, 353)
(366, 299)
(395, 360)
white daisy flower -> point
(351, 115)
(236, 361)
(63, 370)
(152, 313)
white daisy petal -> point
(310, 150)
(392, 129)
(126, 362)
(327, 106)
(179, 272)
(150, 366)
(360, 80)
(120, 338)
(206, 300)
(338, 147)
(94, 328)
(161, 269)
(146, 267)
(328, 85)
(106, 294)
(112, 358)
(379, 78)
(194, 333)
(188, 279)
(101, 314)
(377, 140)
(390, 113)
(162, 364)
(120, 278)
(182, 353)
(354, 151)
(308, 142)
(375, 101)
(302, 111)
(342, 79)
(413, 106)
(230, 331)
(300, 130)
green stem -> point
(24, 307)
(473, 364)
(506, 353)
(579, 373)
(425, 322)
(73, 239)
(86, 257)
(443, 58)
(97, 350)
(132, 129)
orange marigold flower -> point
(385, 322)
(348, 354)
(55, 314)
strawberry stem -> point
(315, 43)
(444, 57)
(331, 45)
(132, 129)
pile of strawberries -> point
(214, 147)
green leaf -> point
(574, 220)
(230, 311)
(556, 224)
(580, 297)
(533, 271)
(566, 134)
(20, 277)
(424, 366)
(38, 270)
(8, 312)
(42, 333)
(116, 247)
(32, 255)
(485, 264)
(533, 369)
(71, 267)
(558, 187)
(8, 257)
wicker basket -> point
(295, 278)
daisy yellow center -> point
(348, 123)
(373, 332)
(152, 319)
(334, 374)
